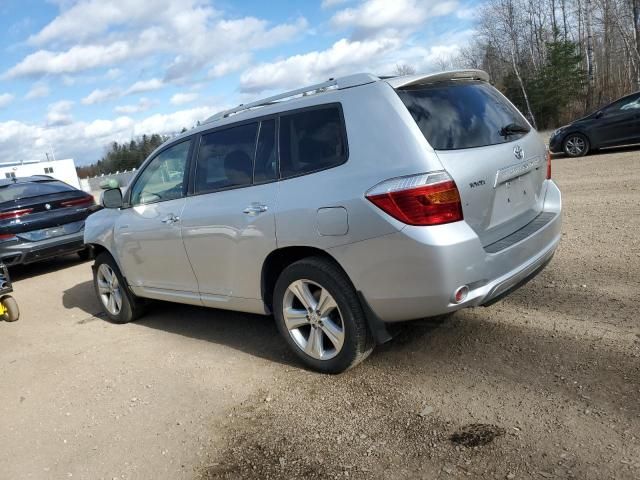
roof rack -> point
(337, 83)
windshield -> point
(455, 115)
(17, 191)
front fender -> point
(99, 231)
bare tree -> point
(404, 69)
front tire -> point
(575, 145)
(117, 301)
(320, 317)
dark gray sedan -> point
(40, 218)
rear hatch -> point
(40, 210)
(496, 160)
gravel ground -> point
(544, 384)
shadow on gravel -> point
(440, 401)
(523, 354)
(253, 334)
(23, 272)
(82, 296)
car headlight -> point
(558, 132)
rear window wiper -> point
(512, 129)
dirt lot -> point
(551, 374)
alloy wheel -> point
(109, 289)
(575, 146)
(313, 319)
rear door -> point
(228, 222)
(488, 148)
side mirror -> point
(599, 114)
(112, 198)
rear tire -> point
(117, 301)
(320, 317)
(12, 313)
(575, 145)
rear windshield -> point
(17, 191)
(452, 115)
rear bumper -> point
(414, 273)
(16, 253)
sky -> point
(77, 75)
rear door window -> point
(312, 140)
(456, 115)
(225, 158)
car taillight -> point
(425, 199)
(6, 236)
(79, 202)
(548, 165)
(15, 213)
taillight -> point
(425, 199)
(548, 165)
(6, 236)
(15, 213)
(79, 202)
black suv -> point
(41, 217)
(614, 125)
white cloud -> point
(90, 18)
(114, 73)
(332, 3)
(76, 59)
(100, 95)
(182, 98)
(343, 57)
(145, 86)
(93, 34)
(226, 67)
(5, 99)
(373, 16)
(143, 105)
(172, 122)
(85, 141)
(38, 90)
(59, 113)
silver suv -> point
(337, 208)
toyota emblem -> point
(518, 152)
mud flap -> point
(376, 326)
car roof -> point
(278, 103)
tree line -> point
(123, 156)
(557, 59)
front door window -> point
(162, 179)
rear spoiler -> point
(412, 80)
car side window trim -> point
(146, 163)
(343, 131)
(191, 192)
(192, 178)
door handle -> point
(255, 209)
(170, 219)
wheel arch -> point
(279, 259)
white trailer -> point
(64, 170)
